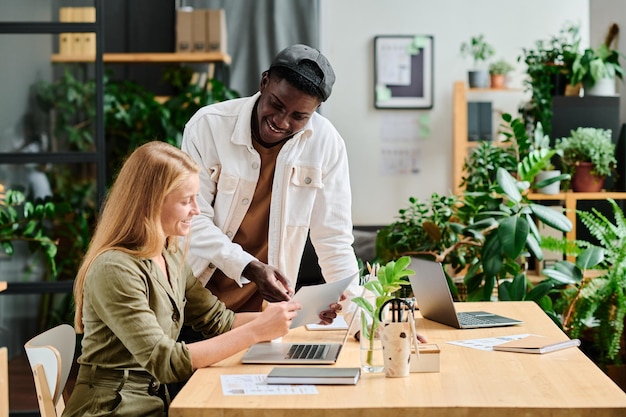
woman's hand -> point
(275, 319)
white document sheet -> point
(317, 298)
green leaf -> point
(491, 256)
(513, 233)
(590, 257)
(551, 217)
(509, 185)
(534, 247)
(539, 291)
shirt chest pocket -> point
(309, 177)
(304, 185)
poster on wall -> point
(403, 72)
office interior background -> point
(344, 30)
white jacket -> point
(311, 190)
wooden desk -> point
(471, 382)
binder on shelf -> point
(216, 31)
(87, 43)
(184, 29)
(479, 121)
(77, 37)
(66, 39)
(199, 36)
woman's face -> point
(179, 207)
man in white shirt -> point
(273, 170)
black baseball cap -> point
(294, 56)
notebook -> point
(305, 353)
(435, 303)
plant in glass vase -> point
(383, 283)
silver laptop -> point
(435, 302)
(296, 353)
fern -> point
(600, 302)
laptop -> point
(435, 302)
(305, 353)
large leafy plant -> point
(30, 222)
(592, 290)
(486, 233)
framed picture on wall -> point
(403, 72)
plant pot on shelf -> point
(498, 81)
(584, 181)
(553, 188)
(602, 87)
(478, 78)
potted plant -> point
(548, 67)
(597, 69)
(535, 155)
(383, 283)
(498, 71)
(479, 51)
(588, 154)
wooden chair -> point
(4, 382)
(51, 355)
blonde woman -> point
(134, 292)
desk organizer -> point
(426, 359)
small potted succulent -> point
(498, 71)
(589, 155)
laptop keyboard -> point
(307, 351)
(471, 320)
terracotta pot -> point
(584, 181)
(498, 80)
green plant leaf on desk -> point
(389, 279)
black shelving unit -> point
(98, 157)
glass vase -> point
(371, 346)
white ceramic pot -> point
(602, 87)
(553, 188)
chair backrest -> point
(4, 382)
(51, 355)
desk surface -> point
(471, 382)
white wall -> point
(348, 28)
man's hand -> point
(271, 283)
(328, 316)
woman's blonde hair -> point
(131, 216)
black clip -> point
(396, 310)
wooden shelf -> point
(570, 200)
(460, 144)
(147, 57)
